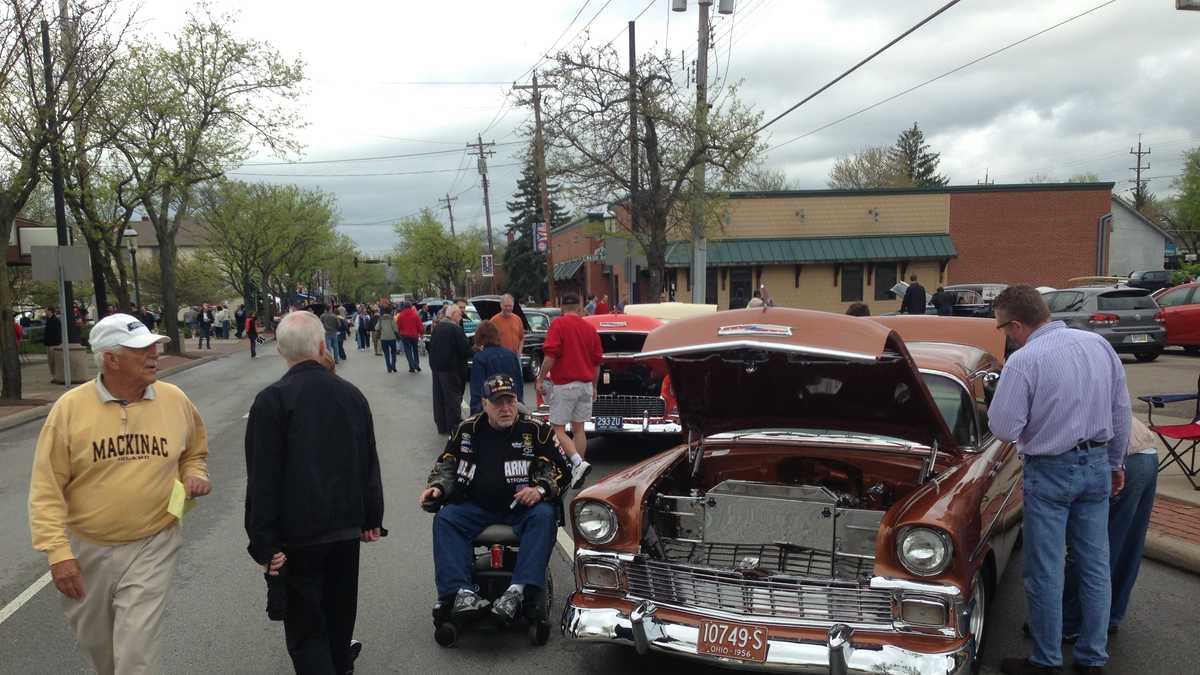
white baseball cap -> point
(123, 330)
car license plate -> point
(733, 641)
(609, 422)
(1139, 338)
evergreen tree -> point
(914, 160)
(526, 269)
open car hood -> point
(796, 369)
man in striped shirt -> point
(1063, 399)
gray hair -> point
(508, 297)
(98, 355)
(299, 337)
(451, 312)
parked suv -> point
(1151, 280)
(1128, 318)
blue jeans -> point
(456, 525)
(331, 345)
(410, 352)
(1128, 520)
(389, 354)
(1066, 504)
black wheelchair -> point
(495, 559)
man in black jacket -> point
(449, 352)
(499, 467)
(313, 492)
(914, 298)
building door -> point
(741, 287)
(710, 286)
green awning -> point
(801, 250)
(567, 269)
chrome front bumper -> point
(836, 655)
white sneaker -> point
(579, 474)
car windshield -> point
(1119, 300)
(538, 322)
(953, 404)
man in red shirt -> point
(602, 305)
(572, 365)
(410, 328)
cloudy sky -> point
(392, 78)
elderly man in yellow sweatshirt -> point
(107, 459)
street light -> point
(131, 235)
(468, 284)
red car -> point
(630, 397)
(1181, 314)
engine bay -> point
(817, 518)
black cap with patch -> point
(498, 386)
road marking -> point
(25, 596)
(566, 543)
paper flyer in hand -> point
(179, 504)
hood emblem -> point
(613, 324)
(755, 330)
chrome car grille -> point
(777, 597)
(628, 406)
(807, 563)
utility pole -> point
(699, 241)
(449, 207)
(539, 159)
(65, 295)
(481, 149)
(1140, 196)
(634, 156)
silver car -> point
(1128, 318)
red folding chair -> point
(1177, 436)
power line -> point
(356, 175)
(931, 80)
(860, 64)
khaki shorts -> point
(569, 402)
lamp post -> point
(131, 236)
(699, 240)
(467, 282)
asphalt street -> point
(216, 623)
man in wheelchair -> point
(500, 467)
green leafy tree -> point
(914, 160)
(1183, 210)
(189, 110)
(430, 259)
(525, 268)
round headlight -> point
(596, 522)
(924, 551)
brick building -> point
(823, 249)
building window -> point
(885, 278)
(852, 283)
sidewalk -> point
(38, 392)
(1174, 536)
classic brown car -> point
(839, 506)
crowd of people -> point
(113, 451)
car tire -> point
(980, 596)
(535, 366)
(1146, 357)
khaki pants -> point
(117, 623)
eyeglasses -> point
(1006, 324)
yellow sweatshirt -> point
(104, 469)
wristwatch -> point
(541, 490)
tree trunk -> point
(99, 285)
(170, 307)
(11, 361)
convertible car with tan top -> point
(839, 505)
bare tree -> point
(587, 134)
(867, 169)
